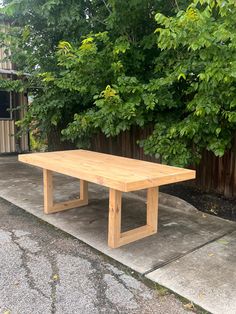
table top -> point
(120, 173)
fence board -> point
(213, 173)
(7, 140)
(124, 144)
(218, 174)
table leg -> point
(152, 208)
(117, 238)
(51, 207)
(114, 224)
(48, 190)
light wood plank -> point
(48, 190)
(135, 234)
(114, 224)
(61, 206)
(152, 208)
(119, 173)
(84, 191)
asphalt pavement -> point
(45, 270)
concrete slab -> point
(181, 229)
(207, 276)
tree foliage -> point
(37, 27)
(203, 42)
(109, 65)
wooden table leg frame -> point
(51, 207)
(117, 238)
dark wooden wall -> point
(218, 174)
(213, 174)
(124, 144)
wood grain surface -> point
(120, 173)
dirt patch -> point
(206, 202)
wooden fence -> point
(7, 136)
(213, 174)
(218, 174)
(124, 144)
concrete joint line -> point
(187, 253)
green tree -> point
(108, 65)
(197, 65)
(185, 85)
(65, 83)
(36, 27)
(123, 56)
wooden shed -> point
(9, 141)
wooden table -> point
(119, 174)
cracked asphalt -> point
(44, 270)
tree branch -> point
(177, 5)
(106, 5)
